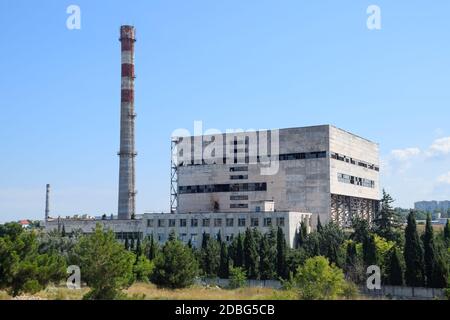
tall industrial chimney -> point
(127, 153)
(47, 201)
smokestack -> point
(47, 201)
(127, 153)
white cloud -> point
(405, 154)
(439, 146)
(444, 179)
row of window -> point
(239, 197)
(239, 177)
(345, 178)
(238, 205)
(237, 169)
(281, 157)
(237, 187)
(206, 222)
(354, 161)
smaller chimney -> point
(47, 202)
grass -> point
(149, 291)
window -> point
(239, 197)
(237, 169)
(229, 222)
(353, 161)
(194, 238)
(345, 178)
(241, 222)
(182, 222)
(217, 222)
(171, 222)
(235, 187)
(229, 237)
(150, 223)
(205, 223)
(239, 177)
(280, 221)
(254, 222)
(161, 223)
(194, 222)
(267, 222)
(238, 205)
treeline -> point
(30, 259)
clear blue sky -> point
(232, 64)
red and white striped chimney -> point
(127, 153)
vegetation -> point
(238, 278)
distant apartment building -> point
(322, 170)
(431, 206)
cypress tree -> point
(138, 247)
(250, 255)
(319, 224)
(395, 272)
(414, 273)
(429, 251)
(281, 254)
(152, 249)
(224, 261)
(369, 251)
(132, 244)
(447, 232)
(127, 244)
(239, 259)
(205, 239)
(219, 237)
(63, 232)
(266, 260)
(350, 260)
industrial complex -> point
(227, 182)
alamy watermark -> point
(74, 279)
(235, 146)
(73, 21)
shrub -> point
(318, 280)
(238, 278)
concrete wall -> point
(405, 292)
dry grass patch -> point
(150, 291)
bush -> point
(318, 280)
(238, 278)
(350, 290)
(143, 268)
(175, 266)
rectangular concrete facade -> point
(321, 170)
(190, 227)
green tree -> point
(447, 232)
(152, 248)
(319, 224)
(414, 273)
(106, 266)
(267, 268)
(386, 221)
(175, 266)
(224, 261)
(239, 256)
(318, 280)
(282, 270)
(210, 257)
(429, 251)
(138, 247)
(331, 239)
(127, 244)
(22, 268)
(250, 255)
(369, 251)
(394, 271)
(142, 268)
(238, 278)
(360, 229)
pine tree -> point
(386, 220)
(282, 271)
(63, 232)
(369, 251)
(301, 234)
(319, 224)
(224, 268)
(414, 273)
(250, 255)
(239, 258)
(132, 244)
(205, 239)
(395, 272)
(351, 256)
(219, 237)
(127, 244)
(153, 248)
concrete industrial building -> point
(229, 182)
(321, 170)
